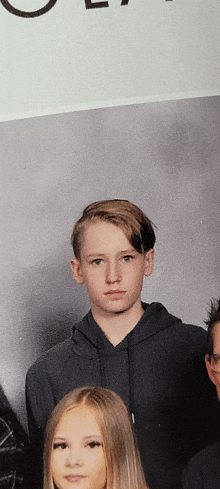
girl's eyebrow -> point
(60, 438)
(99, 437)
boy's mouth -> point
(112, 292)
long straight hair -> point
(124, 469)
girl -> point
(90, 443)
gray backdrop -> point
(163, 156)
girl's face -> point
(78, 460)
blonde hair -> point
(137, 227)
(124, 469)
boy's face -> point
(111, 269)
(213, 366)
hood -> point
(89, 341)
(87, 335)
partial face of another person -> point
(78, 460)
(111, 268)
(213, 366)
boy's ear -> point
(209, 369)
(76, 270)
(149, 262)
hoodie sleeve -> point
(39, 400)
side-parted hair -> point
(124, 469)
(213, 318)
(129, 217)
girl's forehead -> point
(79, 419)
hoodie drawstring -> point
(131, 378)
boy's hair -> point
(137, 228)
(122, 457)
(213, 318)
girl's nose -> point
(74, 458)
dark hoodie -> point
(159, 371)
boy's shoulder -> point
(211, 452)
(182, 342)
(203, 470)
(157, 319)
(62, 353)
(57, 354)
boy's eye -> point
(127, 257)
(60, 445)
(97, 261)
(93, 444)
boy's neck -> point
(117, 325)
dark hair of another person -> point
(213, 318)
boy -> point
(147, 356)
(203, 471)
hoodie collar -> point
(155, 318)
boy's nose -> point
(113, 273)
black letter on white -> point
(89, 4)
(20, 13)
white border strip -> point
(111, 103)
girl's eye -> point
(60, 445)
(93, 444)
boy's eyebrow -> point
(130, 250)
(94, 254)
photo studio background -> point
(120, 101)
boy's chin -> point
(117, 309)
